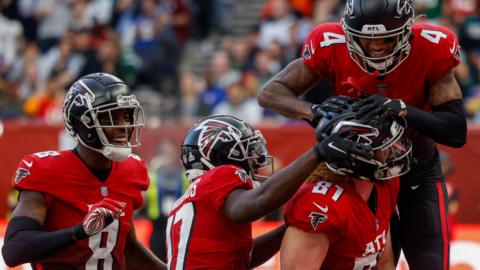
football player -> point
(75, 206)
(406, 68)
(210, 225)
(341, 220)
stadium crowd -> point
(48, 44)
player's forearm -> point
(274, 192)
(26, 242)
(277, 97)
(137, 256)
(446, 124)
(266, 245)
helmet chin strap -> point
(110, 152)
(116, 153)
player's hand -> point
(334, 104)
(101, 214)
(334, 148)
(377, 106)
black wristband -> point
(77, 232)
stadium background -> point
(189, 58)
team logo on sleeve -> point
(307, 55)
(242, 174)
(20, 174)
(316, 218)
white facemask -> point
(116, 153)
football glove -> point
(334, 104)
(378, 106)
(333, 148)
(100, 215)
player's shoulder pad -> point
(437, 41)
(39, 163)
(232, 171)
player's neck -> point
(93, 159)
(364, 188)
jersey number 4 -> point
(179, 228)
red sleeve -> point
(33, 174)
(314, 213)
(445, 51)
(319, 45)
(140, 180)
(224, 180)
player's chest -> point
(407, 82)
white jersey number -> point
(433, 35)
(186, 214)
(330, 38)
(102, 245)
(366, 263)
(322, 187)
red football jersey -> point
(70, 189)
(434, 51)
(357, 235)
(199, 235)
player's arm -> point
(137, 256)
(25, 240)
(280, 94)
(243, 205)
(386, 259)
(266, 245)
(302, 250)
(446, 124)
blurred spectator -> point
(82, 41)
(61, 60)
(53, 17)
(221, 70)
(166, 186)
(191, 105)
(47, 103)
(277, 26)
(158, 50)
(23, 77)
(10, 33)
(240, 104)
(212, 94)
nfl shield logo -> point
(104, 191)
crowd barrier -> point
(465, 248)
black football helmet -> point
(386, 136)
(373, 19)
(95, 102)
(224, 140)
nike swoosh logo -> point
(414, 187)
(323, 209)
(29, 164)
(452, 50)
(313, 48)
(331, 145)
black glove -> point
(334, 148)
(334, 104)
(378, 106)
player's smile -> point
(377, 47)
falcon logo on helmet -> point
(213, 131)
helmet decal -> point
(404, 7)
(213, 131)
(349, 7)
